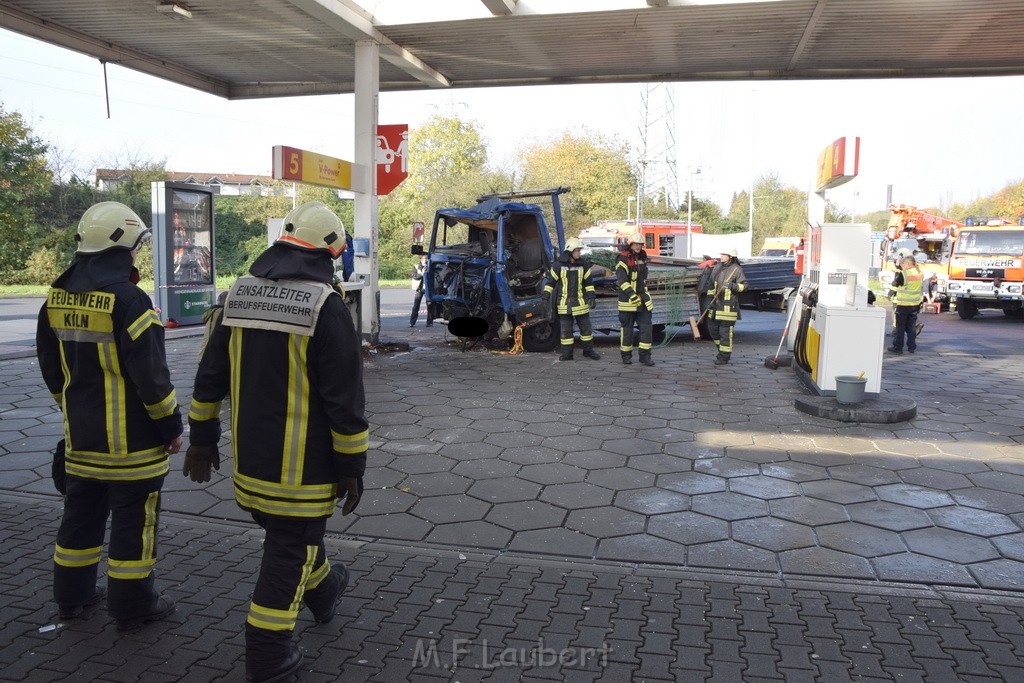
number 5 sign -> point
(391, 156)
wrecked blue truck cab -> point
(490, 263)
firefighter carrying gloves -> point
(573, 295)
(635, 304)
(286, 353)
(101, 352)
(909, 296)
(727, 282)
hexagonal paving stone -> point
(794, 471)
(401, 526)
(447, 509)
(889, 515)
(555, 473)
(577, 495)
(987, 499)
(631, 446)
(864, 474)
(422, 464)
(730, 555)
(860, 539)
(688, 527)
(514, 439)
(914, 496)
(1011, 546)
(822, 458)
(489, 468)
(691, 483)
(595, 460)
(606, 522)
(554, 428)
(808, 510)
(825, 562)
(946, 544)
(379, 478)
(526, 515)
(470, 451)
(504, 490)
(756, 454)
(660, 463)
(558, 542)
(971, 521)
(915, 568)
(652, 501)
(999, 481)
(621, 478)
(932, 478)
(999, 574)
(435, 484)
(731, 506)
(470, 535)
(455, 435)
(642, 548)
(531, 455)
(838, 491)
(446, 422)
(773, 534)
(694, 451)
(385, 502)
(760, 486)
(726, 467)
(664, 435)
(641, 422)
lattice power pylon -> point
(657, 151)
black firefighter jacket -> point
(727, 281)
(101, 352)
(572, 284)
(631, 276)
(285, 352)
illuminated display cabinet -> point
(183, 256)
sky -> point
(936, 141)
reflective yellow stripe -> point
(130, 569)
(318, 575)
(307, 569)
(271, 619)
(296, 413)
(278, 490)
(284, 508)
(163, 408)
(142, 324)
(351, 443)
(70, 557)
(119, 474)
(201, 411)
(623, 346)
(149, 527)
(113, 387)
(235, 357)
(128, 459)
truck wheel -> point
(540, 338)
(966, 309)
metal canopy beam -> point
(500, 7)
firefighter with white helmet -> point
(635, 305)
(571, 287)
(101, 351)
(727, 282)
(287, 353)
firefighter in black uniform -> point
(573, 294)
(635, 304)
(286, 353)
(101, 352)
(727, 281)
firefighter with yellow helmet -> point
(100, 346)
(286, 353)
(571, 287)
(727, 282)
(635, 305)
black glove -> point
(57, 471)
(733, 287)
(198, 460)
(891, 293)
(351, 488)
(591, 299)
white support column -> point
(367, 83)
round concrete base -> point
(879, 410)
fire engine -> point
(985, 269)
(928, 237)
(658, 234)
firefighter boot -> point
(589, 352)
(270, 655)
(322, 600)
(645, 358)
(566, 354)
(627, 358)
(74, 611)
(722, 358)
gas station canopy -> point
(269, 48)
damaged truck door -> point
(490, 264)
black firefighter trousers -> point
(134, 510)
(293, 568)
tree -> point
(24, 183)
(597, 170)
(778, 210)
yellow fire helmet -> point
(315, 227)
(635, 238)
(573, 243)
(109, 225)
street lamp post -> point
(689, 199)
(629, 206)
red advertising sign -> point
(838, 163)
(391, 156)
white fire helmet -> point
(109, 225)
(315, 227)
